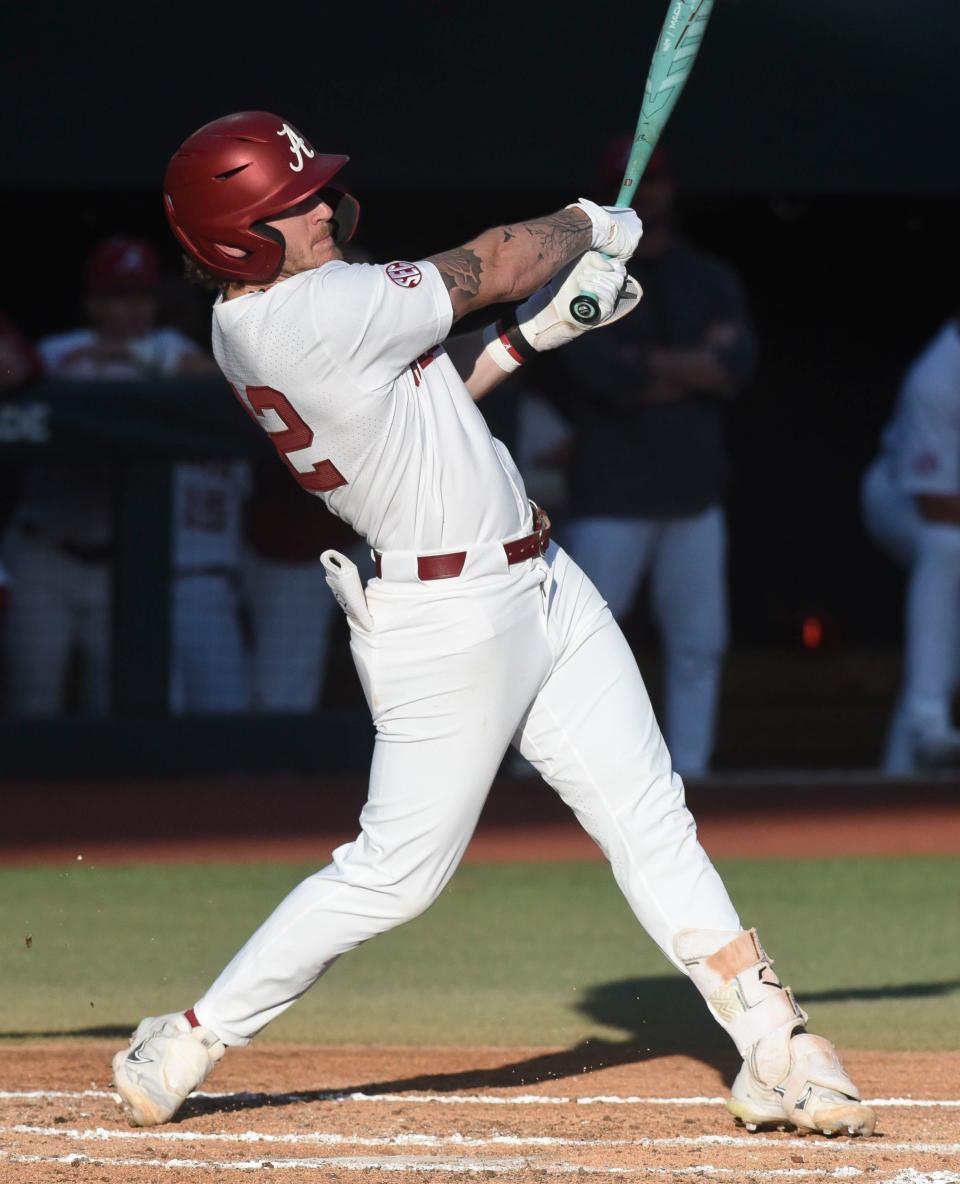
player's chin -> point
(326, 250)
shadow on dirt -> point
(663, 1016)
(106, 1032)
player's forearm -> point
(508, 263)
(473, 363)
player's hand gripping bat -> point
(672, 61)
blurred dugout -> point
(61, 544)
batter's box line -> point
(329, 1139)
(472, 1167)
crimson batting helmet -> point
(227, 179)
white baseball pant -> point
(931, 553)
(686, 559)
(56, 602)
(453, 670)
(210, 668)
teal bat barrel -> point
(680, 38)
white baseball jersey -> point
(921, 444)
(342, 366)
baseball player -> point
(477, 630)
(62, 538)
(910, 499)
(62, 545)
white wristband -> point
(501, 351)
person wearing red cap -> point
(63, 540)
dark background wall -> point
(819, 96)
(813, 147)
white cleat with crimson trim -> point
(789, 1077)
(168, 1058)
(815, 1095)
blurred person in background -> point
(910, 501)
(19, 366)
(210, 661)
(62, 544)
(649, 467)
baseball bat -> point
(680, 38)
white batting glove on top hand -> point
(545, 321)
(616, 229)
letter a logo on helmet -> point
(298, 146)
(234, 175)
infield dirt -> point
(287, 1112)
(521, 1115)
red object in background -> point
(121, 265)
(613, 164)
(19, 361)
(812, 633)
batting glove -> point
(616, 229)
(545, 321)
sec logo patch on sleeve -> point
(404, 275)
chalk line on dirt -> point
(467, 1166)
(329, 1139)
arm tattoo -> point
(460, 269)
(560, 236)
(479, 272)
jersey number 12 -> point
(297, 435)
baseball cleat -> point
(167, 1059)
(789, 1077)
(815, 1095)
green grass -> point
(543, 954)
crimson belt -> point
(445, 567)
